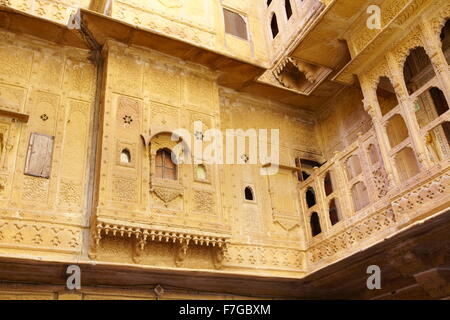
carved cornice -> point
(141, 235)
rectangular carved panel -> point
(39, 156)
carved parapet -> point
(423, 197)
(428, 195)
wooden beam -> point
(22, 117)
(281, 166)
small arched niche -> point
(315, 224)
(396, 130)
(387, 99)
(418, 69)
(249, 194)
(125, 156)
(406, 164)
(200, 172)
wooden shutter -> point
(235, 24)
(39, 156)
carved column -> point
(366, 169)
(408, 112)
(321, 199)
(344, 194)
(372, 108)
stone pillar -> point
(321, 199)
(343, 193)
(371, 106)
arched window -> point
(373, 154)
(249, 195)
(125, 156)
(438, 142)
(445, 38)
(310, 197)
(430, 105)
(360, 196)
(235, 24)
(387, 99)
(396, 130)
(406, 164)
(287, 6)
(200, 172)
(165, 168)
(274, 26)
(333, 212)
(315, 224)
(328, 184)
(417, 70)
(353, 166)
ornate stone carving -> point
(166, 195)
(70, 194)
(124, 189)
(35, 189)
(419, 198)
(381, 182)
(203, 202)
(358, 232)
(40, 236)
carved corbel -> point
(181, 254)
(95, 243)
(218, 255)
(146, 140)
(138, 251)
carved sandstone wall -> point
(55, 86)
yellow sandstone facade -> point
(91, 92)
